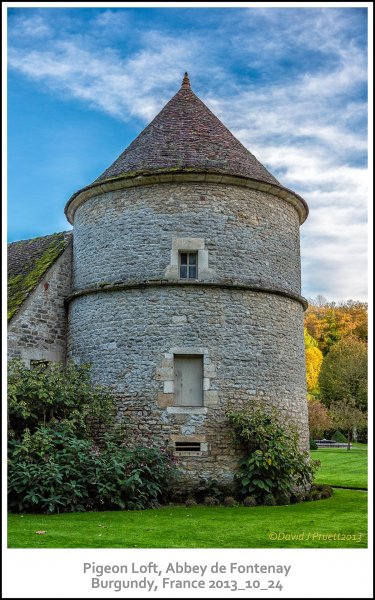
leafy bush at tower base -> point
(67, 453)
(273, 469)
(57, 393)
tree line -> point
(336, 337)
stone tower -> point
(186, 285)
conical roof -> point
(186, 135)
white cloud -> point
(124, 88)
(305, 130)
(30, 27)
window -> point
(188, 265)
(188, 380)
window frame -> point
(188, 265)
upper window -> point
(188, 265)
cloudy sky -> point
(290, 83)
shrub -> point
(210, 501)
(313, 445)
(325, 494)
(208, 488)
(190, 502)
(339, 437)
(57, 394)
(297, 496)
(272, 462)
(283, 498)
(66, 452)
(53, 470)
(229, 501)
(250, 501)
(319, 492)
(269, 500)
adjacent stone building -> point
(185, 291)
(39, 280)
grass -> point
(345, 513)
(304, 525)
(342, 468)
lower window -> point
(188, 380)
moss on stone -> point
(22, 284)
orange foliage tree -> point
(319, 419)
(314, 359)
(329, 322)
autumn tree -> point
(319, 419)
(343, 375)
(314, 358)
(346, 415)
(329, 322)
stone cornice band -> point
(222, 284)
(129, 180)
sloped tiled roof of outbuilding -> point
(28, 261)
(186, 135)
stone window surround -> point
(188, 244)
(190, 438)
(29, 354)
(165, 373)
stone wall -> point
(128, 234)
(251, 342)
(38, 331)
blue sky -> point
(290, 83)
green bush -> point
(190, 502)
(269, 500)
(283, 499)
(229, 501)
(210, 501)
(319, 492)
(66, 451)
(272, 464)
(57, 394)
(313, 445)
(209, 488)
(53, 470)
(339, 437)
(249, 501)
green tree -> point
(343, 375)
(346, 415)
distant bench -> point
(330, 444)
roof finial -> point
(185, 82)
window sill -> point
(189, 410)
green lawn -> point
(345, 513)
(342, 468)
(304, 525)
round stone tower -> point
(186, 286)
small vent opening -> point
(188, 446)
